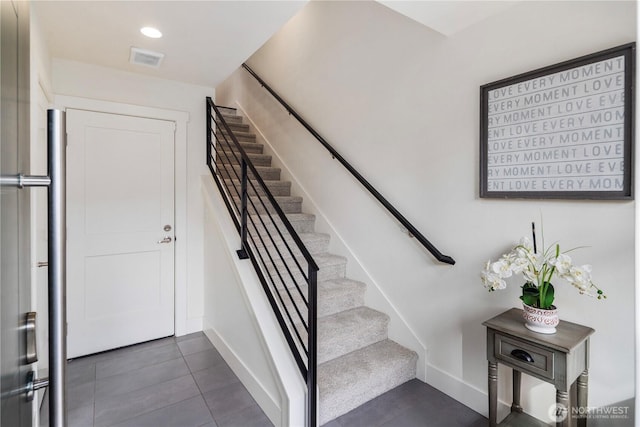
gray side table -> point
(561, 359)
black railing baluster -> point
(242, 253)
(312, 374)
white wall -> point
(401, 103)
(99, 83)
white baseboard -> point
(463, 392)
(253, 386)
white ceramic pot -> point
(543, 321)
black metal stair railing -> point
(286, 270)
(412, 230)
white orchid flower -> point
(492, 281)
(525, 242)
(502, 268)
(580, 277)
(562, 263)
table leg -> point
(493, 393)
(562, 409)
(515, 405)
(583, 385)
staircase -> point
(356, 360)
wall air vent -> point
(148, 58)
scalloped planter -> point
(542, 321)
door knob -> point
(34, 384)
(165, 240)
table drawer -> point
(529, 358)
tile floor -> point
(184, 382)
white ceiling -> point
(204, 41)
(448, 16)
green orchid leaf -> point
(548, 297)
(530, 294)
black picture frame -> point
(565, 131)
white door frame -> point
(180, 118)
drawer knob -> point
(522, 355)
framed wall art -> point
(563, 131)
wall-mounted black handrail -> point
(413, 231)
(253, 246)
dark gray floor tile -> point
(334, 423)
(189, 336)
(195, 345)
(248, 417)
(203, 360)
(80, 373)
(369, 415)
(211, 424)
(215, 377)
(228, 400)
(188, 413)
(118, 352)
(128, 405)
(80, 395)
(150, 375)
(80, 417)
(134, 360)
(434, 415)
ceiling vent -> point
(148, 58)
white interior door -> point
(120, 219)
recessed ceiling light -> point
(154, 33)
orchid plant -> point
(538, 270)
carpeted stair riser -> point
(288, 204)
(356, 360)
(331, 267)
(316, 243)
(347, 331)
(231, 115)
(301, 223)
(237, 126)
(234, 157)
(351, 380)
(334, 296)
(234, 172)
(277, 188)
(240, 136)
(248, 147)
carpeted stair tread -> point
(316, 243)
(277, 188)
(288, 204)
(240, 136)
(349, 330)
(300, 222)
(237, 126)
(233, 157)
(333, 296)
(355, 378)
(267, 173)
(248, 147)
(331, 267)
